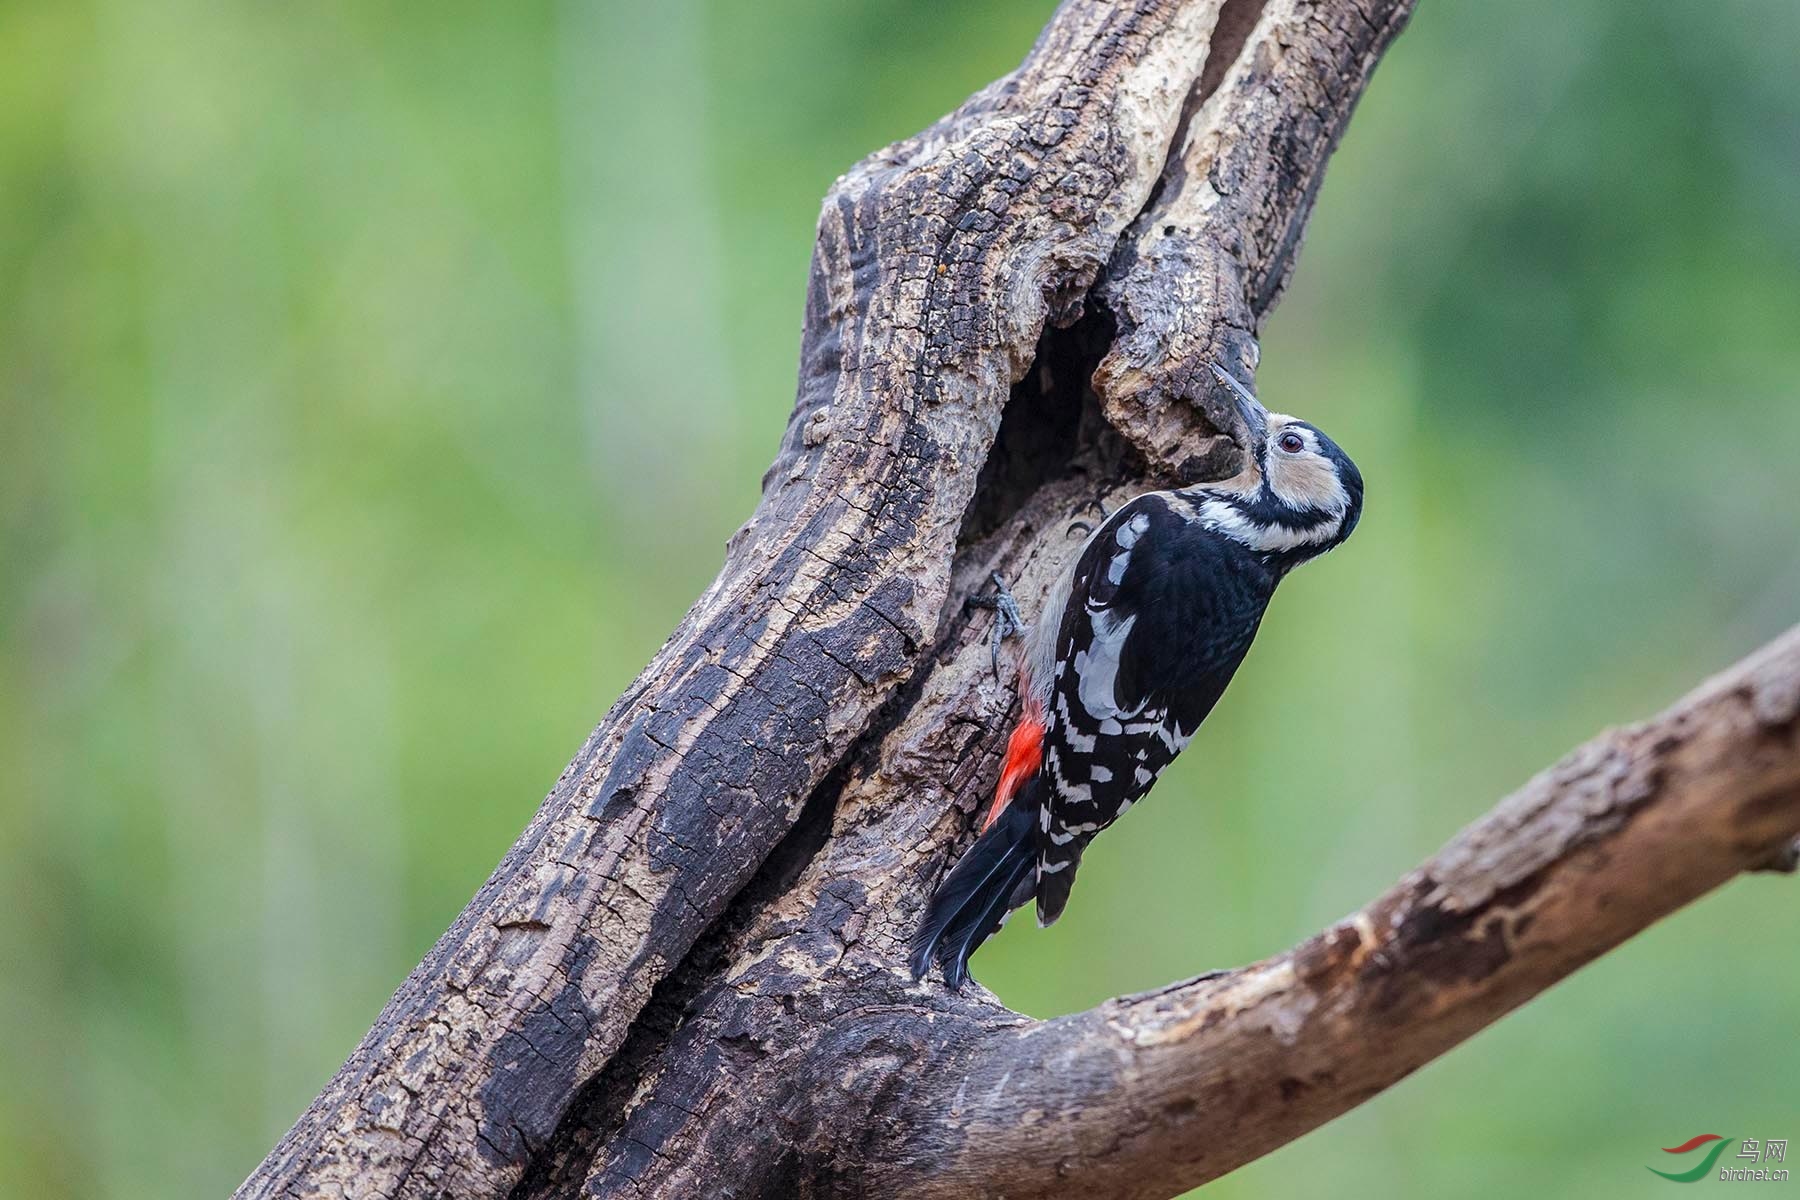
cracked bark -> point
(685, 977)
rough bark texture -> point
(685, 978)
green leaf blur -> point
(379, 383)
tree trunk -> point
(686, 977)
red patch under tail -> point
(1024, 755)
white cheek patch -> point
(1267, 538)
(1309, 483)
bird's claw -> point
(1008, 620)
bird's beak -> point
(1256, 417)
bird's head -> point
(1298, 495)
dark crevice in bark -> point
(1051, 420)
(599, 1108)
(1230, 35)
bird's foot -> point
(1008, 620)
(1087, 527)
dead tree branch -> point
(685, 977)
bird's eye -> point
(1291, 442)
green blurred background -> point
(379, 383)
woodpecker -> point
(1140, 639)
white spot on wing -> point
(1097, 667)
(1128, 533)
(1115, 570)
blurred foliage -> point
(378, 383)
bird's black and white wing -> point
(1157, 616)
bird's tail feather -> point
(993, 878)
(1058, 876)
